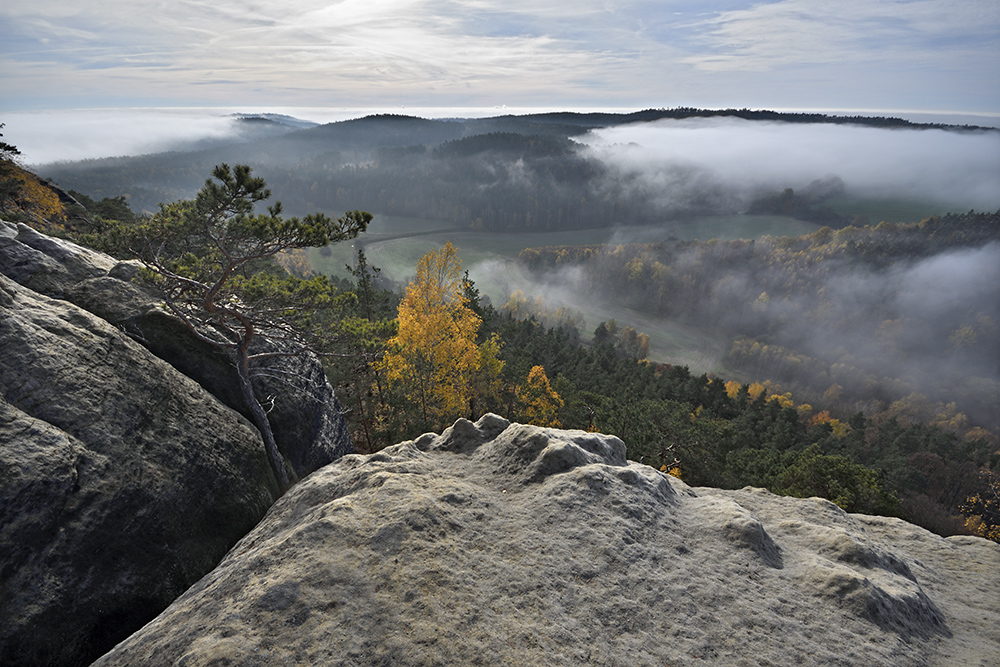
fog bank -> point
(52, 136)
(959, 168)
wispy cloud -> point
(796, 32)
(597, 52)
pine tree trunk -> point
(274, 457)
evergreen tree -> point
(209, 257)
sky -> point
(867, 55)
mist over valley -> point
(674, 191)
(638, 168)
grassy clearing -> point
(395, 244)
(391, 225)
(381, 241)
(729, 227)
(333, 259)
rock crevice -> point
(123, 479)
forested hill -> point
(396, 130)
(407, 166)
(868, 318)
(611, 119)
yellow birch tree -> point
(434, 358)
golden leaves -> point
(434, 356)
(538, 400)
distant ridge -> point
(407, 165)
(277, 118)
(568, 123)
(648, 115)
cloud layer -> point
(954, 168)
(915, 54)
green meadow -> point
(395, 244)
(891, 210)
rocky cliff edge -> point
(123, 477)
(496, 543)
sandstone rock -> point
(48, 265)
(305, 415)
(507, 544)
(121, 482)
(8, 230)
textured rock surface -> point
(305, 416)
(494, 544)
(121, 482)
(47, 265)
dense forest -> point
(902, 318)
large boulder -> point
(125, 472)
(45, 264)
(305, 415)
(122, 482)
(497, 543)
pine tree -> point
(209, 257)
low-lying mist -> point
(63, 136)
(905, 322)
(675, 158)
(920, 325)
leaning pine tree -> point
(210, 258)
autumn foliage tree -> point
(22, 193)
(434, 359)
(982, 510)
(538, 401)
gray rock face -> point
(121, 482)
(122, 479)
(305, 415)
(47, 265)
(507, 544)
